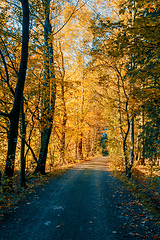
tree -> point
(49, 91)
(129, 42)
(15, 112)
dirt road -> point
(86, 203)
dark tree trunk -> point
(63, 136)
(132, 148)
(33, 154)
(0, 178)
(76, 149)
(45, 136)
(125, 144)
(64, 120)
(125, 151)
(49, 91)
(23, 136)
(80, 147)
(143, 150)
(88, 145)
(15, 113)
(62, 149)
(63, 139)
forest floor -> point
(84, 202)
(144, 184)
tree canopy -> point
(69, 70)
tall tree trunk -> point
(63, 139)
(15, 113)
(143, 150)
(76, 148)
(80, 147)
(23, 136)
(132, 147)
(64, 120)
(49, 91)
(126, 158)
(45, 136)
(88, 144)
(125, 150)
(132, 119)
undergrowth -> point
(9, 200)
(143, 186)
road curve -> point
(86, 203)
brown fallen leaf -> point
(156, 237)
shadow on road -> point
(86, 203)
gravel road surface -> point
(85, 203)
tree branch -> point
(75, 10)
(5, 114)
(7, 74)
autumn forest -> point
(78, 79)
